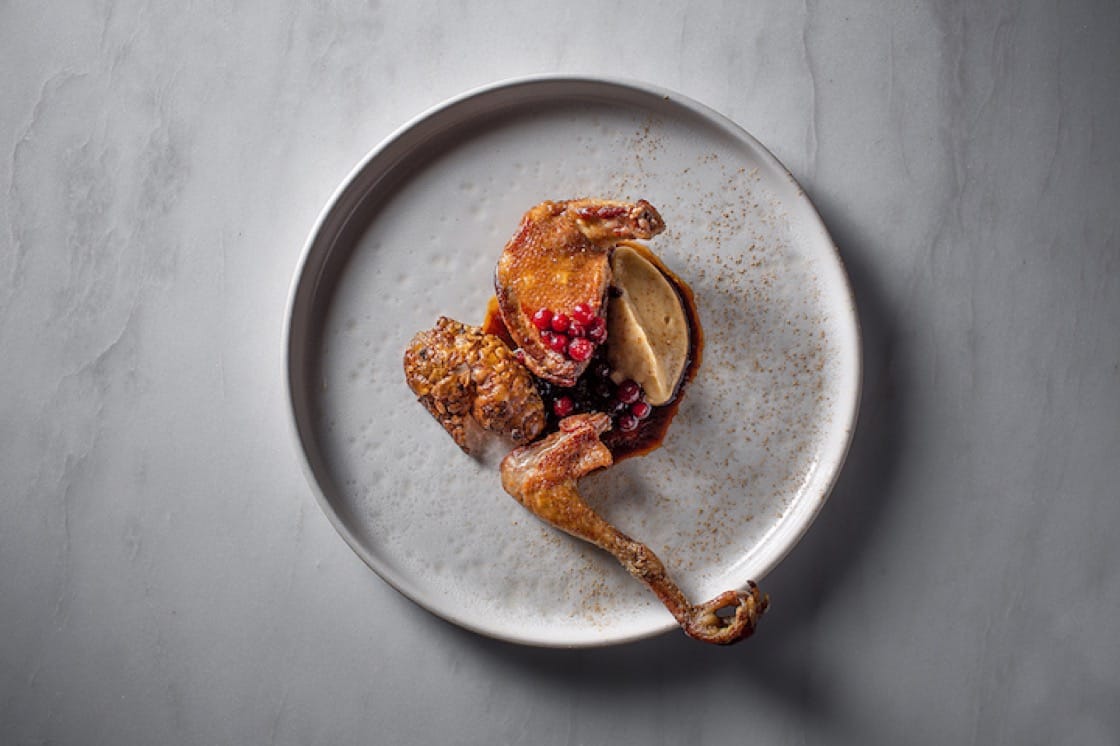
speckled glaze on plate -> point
(415, 232)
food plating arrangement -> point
(581, 361)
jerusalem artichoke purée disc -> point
(647, 326)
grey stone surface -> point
(165, 575)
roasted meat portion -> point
(466, 377)
(543, 477)
(560, 258)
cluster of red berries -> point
(576, 334)
(629, 406)
(625, 403)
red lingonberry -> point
(640, 409)
(560, 322)
(542, 319)
(597, 330)
(563, 406)
(580, 349)
(583, 313)
(629, 392)
(557, 342)
(576, 329)
(627, 422)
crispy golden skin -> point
(461, 374)
(560, 256)
(543, 476)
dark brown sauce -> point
(651, 432)
(492, 323)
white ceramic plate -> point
(415, 232)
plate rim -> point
(344, 192)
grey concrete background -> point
(165, 575)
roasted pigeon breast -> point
(560, 258)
